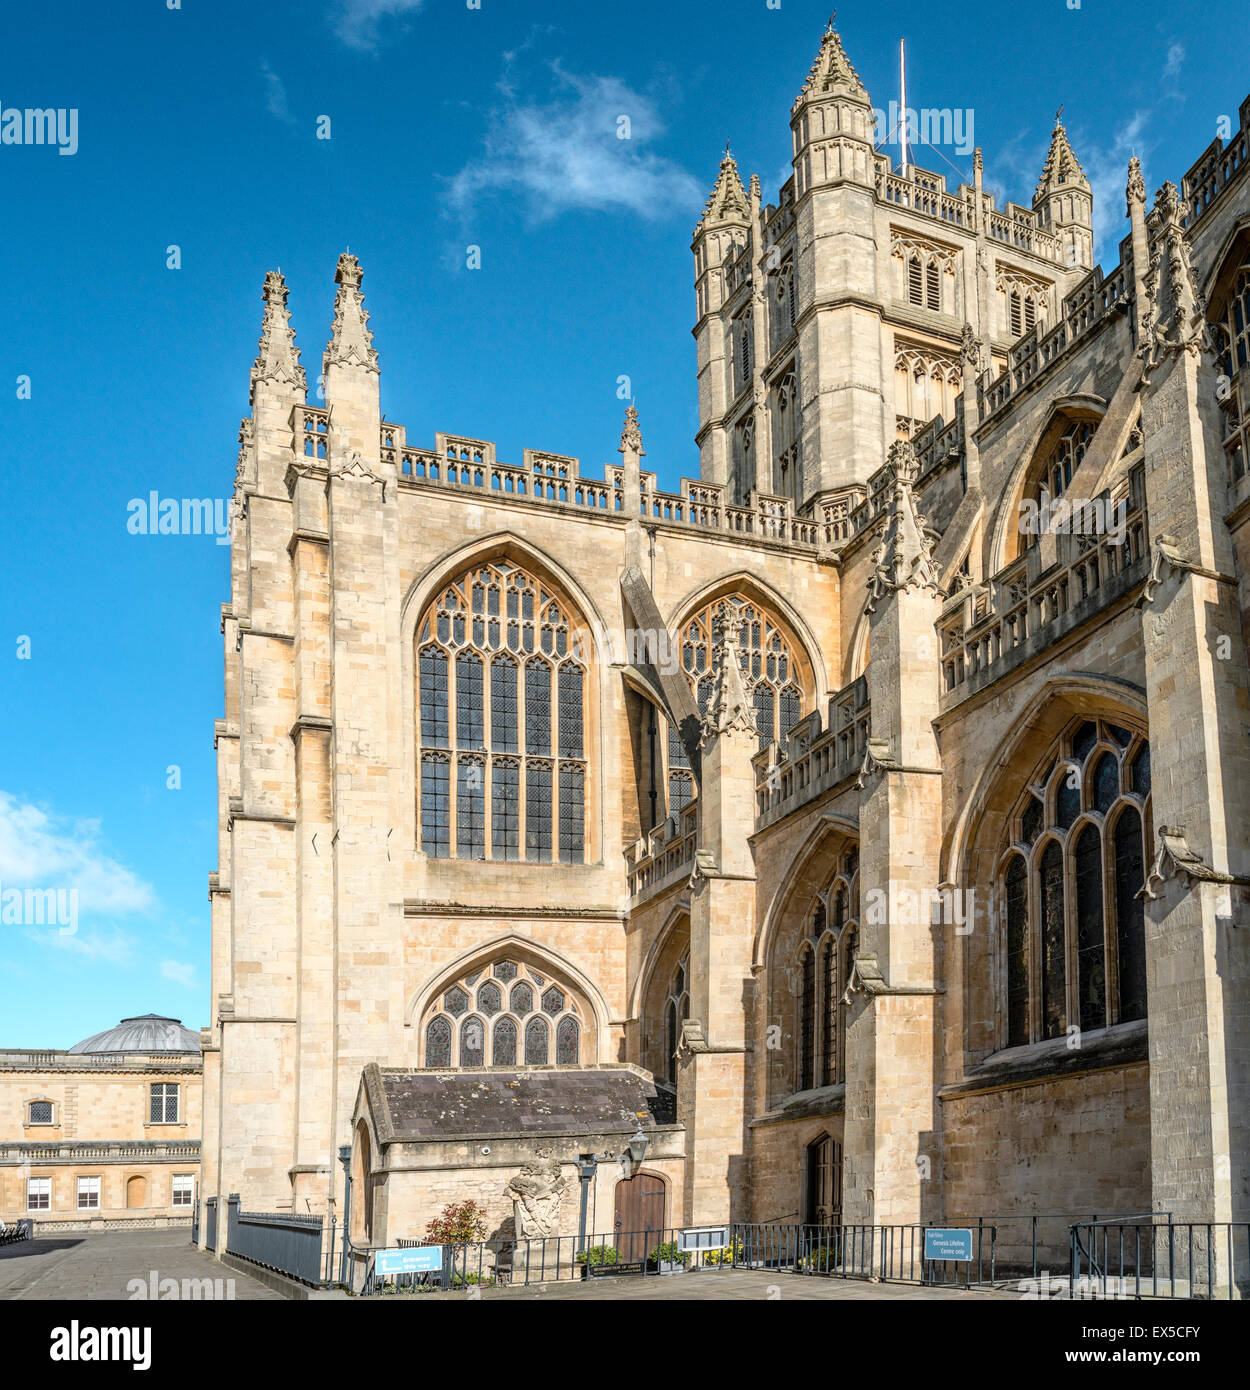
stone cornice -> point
(418, 907)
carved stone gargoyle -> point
(1174, 856)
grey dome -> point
(151, 1033)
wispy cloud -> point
(1106, 165)
(584, 149)
(358, 22)
(275, 95)
(41, 849)
(106, 945)
(1176, 56)
(180, 972)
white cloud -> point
(105, 944)
(568, 154)
(41, 850)
(181, 972)
(1176, 56)
(275, 95)
(357, 22)
(1106, 165)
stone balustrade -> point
(987, 630)
(665, 856)
(814, 758)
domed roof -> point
(150, 1033)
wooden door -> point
(824, 1183)
(639, 1216)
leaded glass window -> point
(473, 1042)
(438, 1043)
(823, 968)
(487, 1012)
(1074, 939)
(501, 676)
(503, 1044)
(807, 1046)
(676, 1011)
(536, 1036)
(566, 1042)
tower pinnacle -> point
(351, 342)
(831, 74)
(1062, 166)
(277, 360)
(728, 200)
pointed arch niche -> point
(666, 999)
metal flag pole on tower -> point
(902, 114)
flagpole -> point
(902, 115)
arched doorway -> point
(136, 1192)
(823, 1202)
(639, 1222)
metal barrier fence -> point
(280, 1241)
(553, 1259)
(891, 1253)
(1145, 1258)
(13, 1231)
(210, 1223)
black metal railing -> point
(1144, 1257)
(210, 1223)
(893, 1253)
(554, 1259)
(280, 1241)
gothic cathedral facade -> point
(870, 814)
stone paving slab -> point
(78, 1266)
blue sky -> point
(450, 126)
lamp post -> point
(630, 1158)
(345, 1158)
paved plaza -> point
(79, 1266)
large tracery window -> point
(502, 691)
(506, 1014)
(1073, 926)
(823, 970)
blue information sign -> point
(422, 1259)
(948, 1244)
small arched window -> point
(502, 1015)
(824, 961)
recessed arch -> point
(678, 915)
(802, 863)
(1064, 411)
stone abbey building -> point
(865, 821)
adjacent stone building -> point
(879, 796)
(105, 1135)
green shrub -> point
(668, 1253)
(599, 1255)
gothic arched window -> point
(1073, 938)
(824, 970)
(488, 1017)
(1233, 332)
(676, 1011)
(502, 689)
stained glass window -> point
(567, 1034)
(433, 668)
(503, 705)
(1130, 914)
(536, 1035)
(473, 1042)
(1017, 883)
(503, 1044)
(1054, 974)
(438, 1043)
(537, 707)
(807, 1043)
(484, 1015)
(470, 704)
(1091, 974)
(829, 1012)
(570, 706)
(1097, 925)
